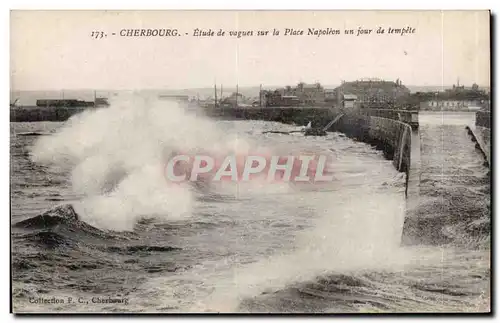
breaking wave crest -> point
(116, 157)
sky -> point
(54, 50)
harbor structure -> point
(458, 98)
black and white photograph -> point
(250, 161)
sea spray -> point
(117, 156)
(345, 237)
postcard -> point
(320, 162)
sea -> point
(95, 227)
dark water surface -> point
(333, 248)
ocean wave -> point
(118, 164)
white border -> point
(254, 4)
(187, 4)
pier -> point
(431, 155)
(447, 168)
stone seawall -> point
(392, 137)
(318, 116)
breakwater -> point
(390, 136)
(35, 113)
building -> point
(375, 92)
(306, 94)
(233, 100)
(458, 98)
(330, 95)
(450, 105)
(290, 100)
(349, 101)
(277, 99)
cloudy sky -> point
(53, 50)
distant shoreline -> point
(210, 89)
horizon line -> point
(207, 87)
